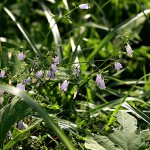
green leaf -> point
(127, 121)
(10, 114)
(124, 138)
(100, 143)
(22, 30)
(92, 144)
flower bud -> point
(84, 6)
(21, 56)
(64, 85)
(118, 66)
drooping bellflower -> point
(21, 56)
(39, 74)
(64, 85)
(100, 82)
(56, 60)
(27, 80)
(118, 66)
(84, 6)
(20, 125)
(54, 67)
(129, 50)
(51, 74)
(21, 86)
(2, 74)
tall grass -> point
(88, 43)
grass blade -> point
(21, 136)
(137, 112)
(139, 18)
(54, 29)
(41, 112)
(23, 32)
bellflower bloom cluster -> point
(2, 74)
(51, 73)
(21, 56)
(118, 66)
(100, 82)
(129, 50)
(84, 6)
(20, 86)
(39, 74)
(64, 85)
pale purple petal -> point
(21, 86)
(84, 6)
(102, 84)
(51, 74)
(39, 74)
(118, 66)
(20, 125)
(100, 81)
(54, 67)
(56, 60)
(98, 78)
(21, 56)
(27, 80)
(2, 74)
(129, 50)
(64, 85)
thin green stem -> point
(111, 120)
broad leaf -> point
(124, 138)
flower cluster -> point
(51, 73)
(117, 66)
(39, 74)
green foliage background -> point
(97, 37)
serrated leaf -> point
(127, 121)
(90, 143)
(100, 143)
(124, 138)
(127, 138)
